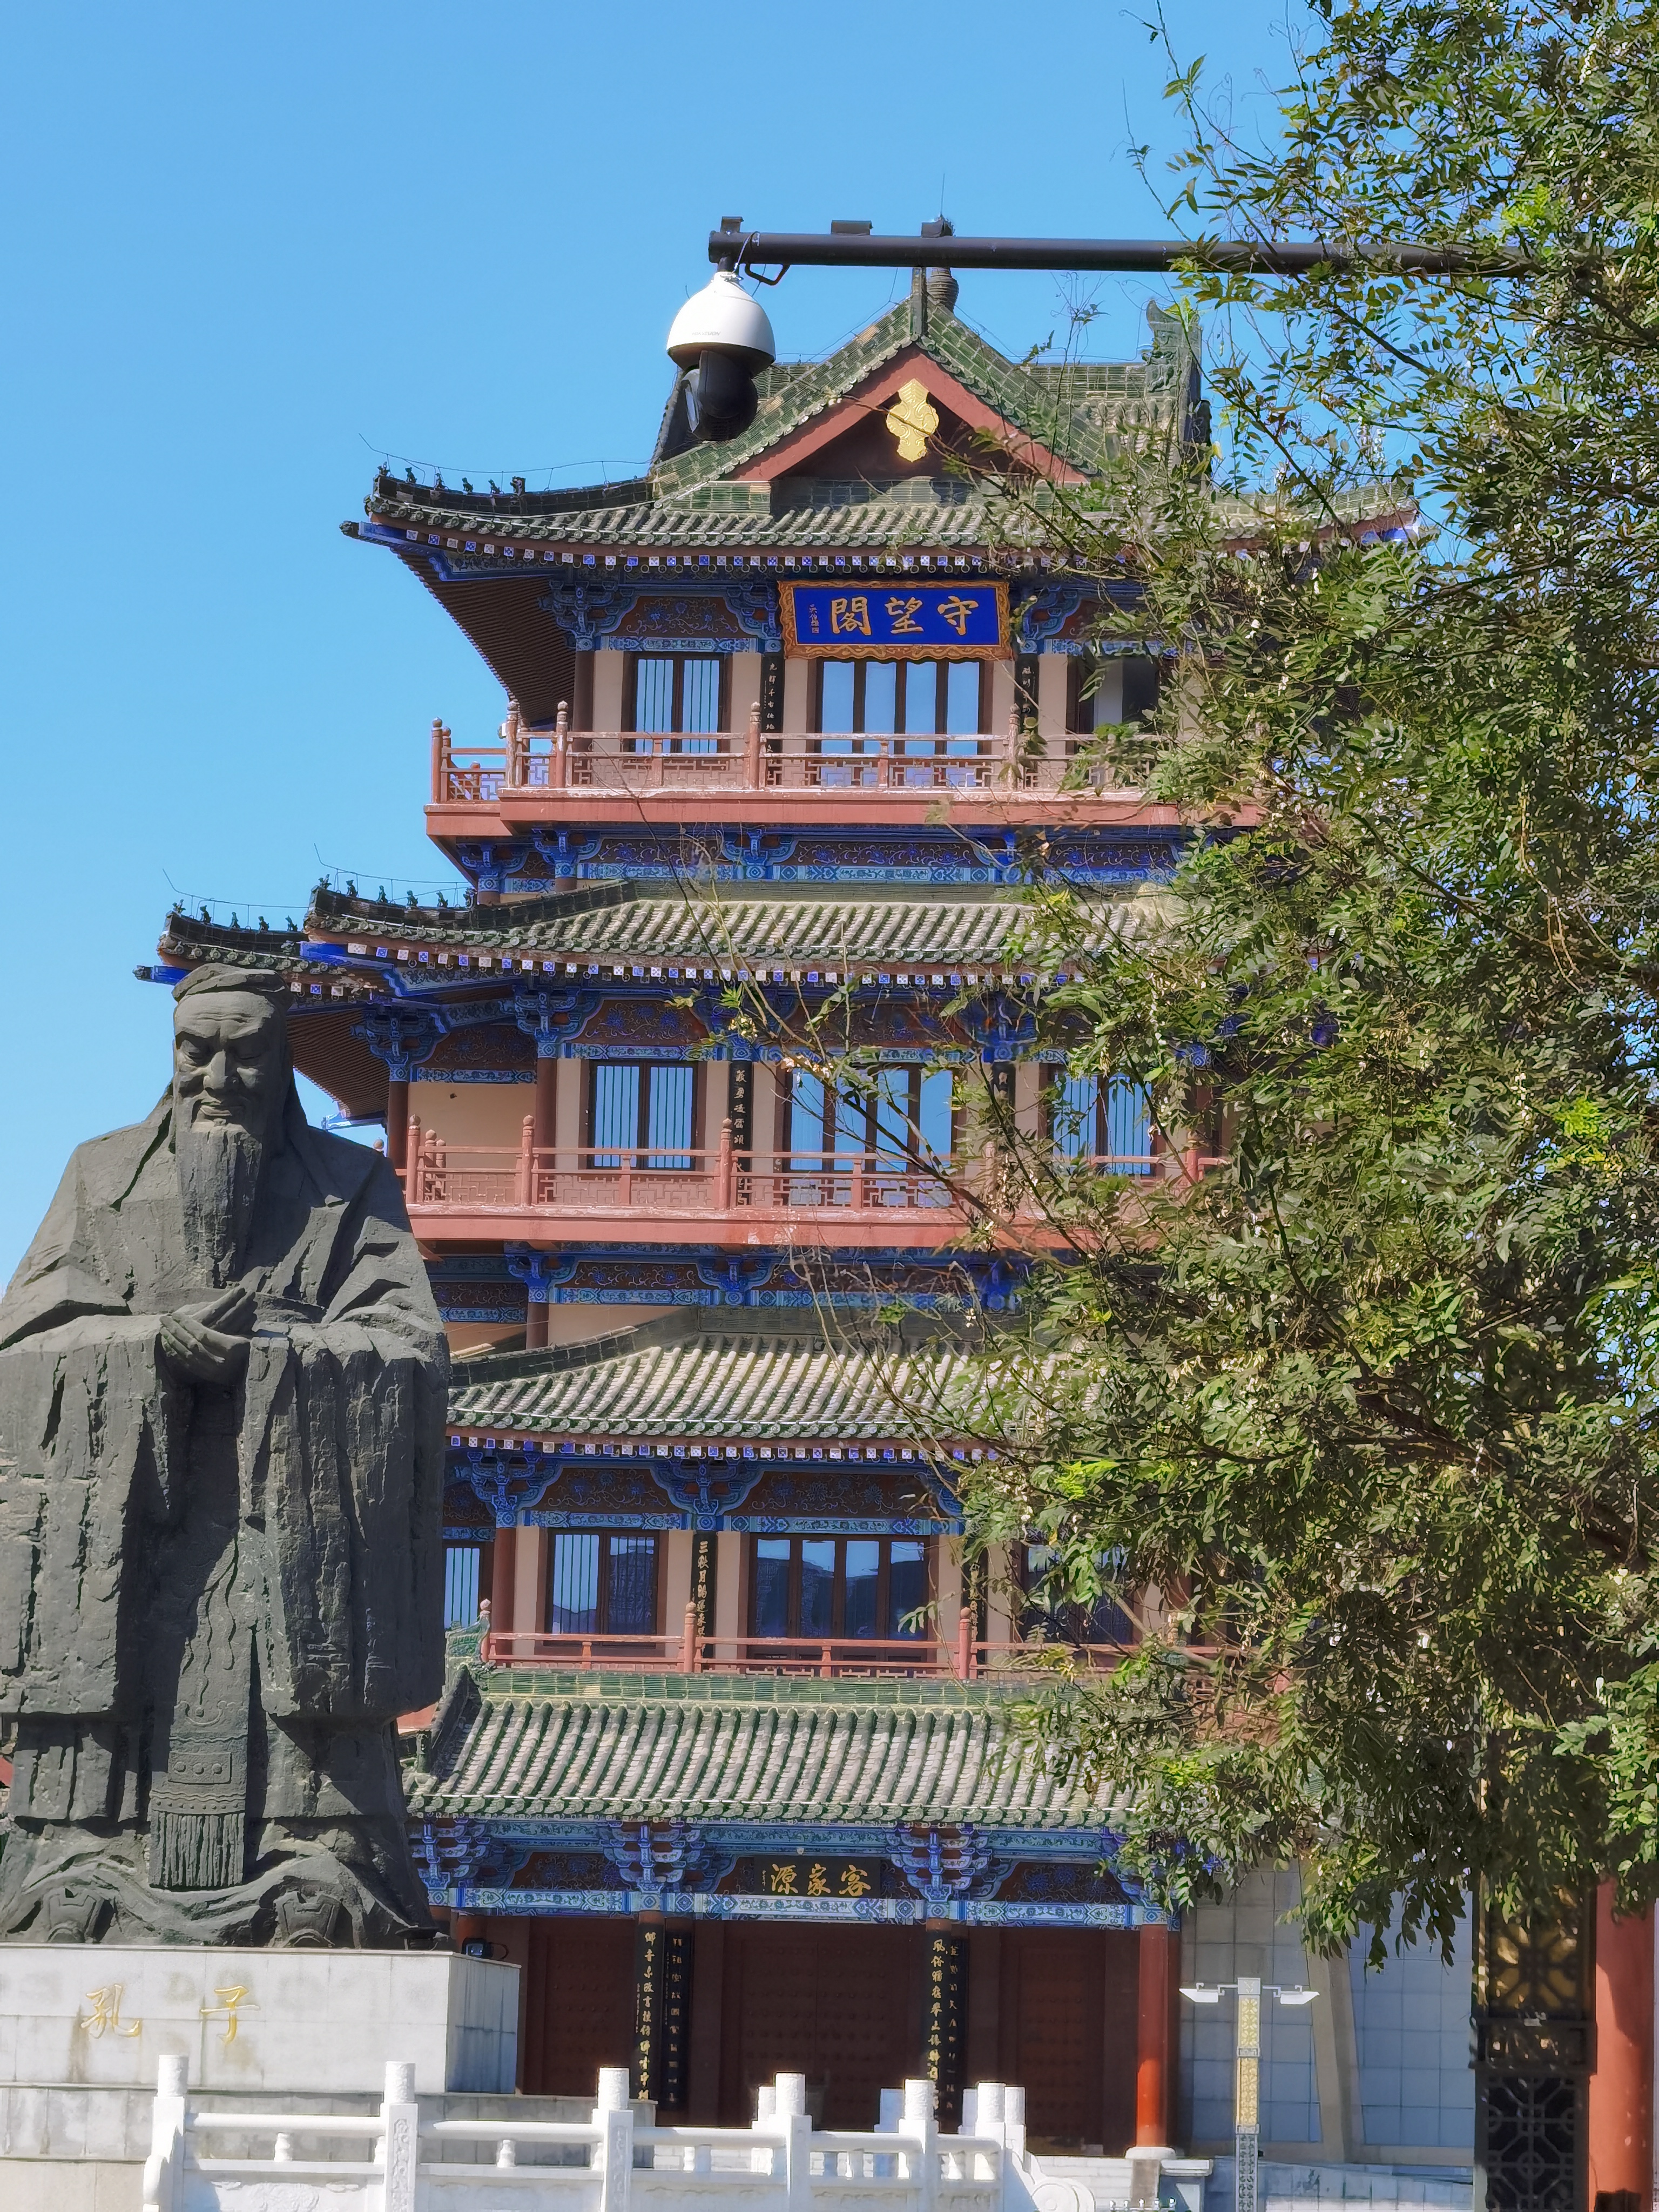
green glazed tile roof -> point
(700, 1749)
(696, 1374)
(944, 930)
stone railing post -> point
(790, 2119)
(613, 2155)
(400, 2122)
(164, 2169)
(413, 1163)
(559, 771)
(524, 1180)
(920, 2127)
(440, 762)
(515, 745)
(690, 1652)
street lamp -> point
(1250, 1989)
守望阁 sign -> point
(866, 619)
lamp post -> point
(1250, 1989)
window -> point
(1048, 1617)
(467, 1583)
(1102, 689)
(905, 1113)
(645, 1109)
(837, 1586)
(602, 1585)
(1108, 1121)
(900, 698)
(675, 694)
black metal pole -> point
(768, 249)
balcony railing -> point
(964, 1658)
(562, 759)
(661, 1181)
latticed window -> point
(602, 1585)
(675, 694)
(838, 1586)
(1049, 1616)
(1108, 1120)
(646, 1108)
(463, 1583)
(905, 1112)
(900, 698)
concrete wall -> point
(1375, 2071)
(1411, 2019)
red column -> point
(1154, 2037)
(1621, 2088)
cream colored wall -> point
(1028, 1084)
(568, 1106)
(947, 1584)
(716, 1092)
(580, 1324)
(797, 691)
(490, 1114)
(744, 690)
(728, 1585)
(1053, 671)
(676, 1580)
(468, 1335)
(608, 669)
(1002, 696)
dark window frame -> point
(1073, 1624)
(631, 688)
(837, 1632)
(642, 1119)
(605, 1538)
(941, 703)
(834, 1107)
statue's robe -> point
(214, 1603)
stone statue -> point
(221, 1402)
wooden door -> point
(1068, 2004)
(579, 2005)
(840, 2005)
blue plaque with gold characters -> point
(870, 620)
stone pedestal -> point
(81, 2028)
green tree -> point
(1372, 1404)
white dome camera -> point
(722, 335)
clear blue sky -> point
(252, 249)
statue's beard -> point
(219, 1164)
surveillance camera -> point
(722, 336)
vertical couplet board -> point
(943, 2013)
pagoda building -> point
(727, 1762)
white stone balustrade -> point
(393, 2161)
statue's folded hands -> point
(207, 1342)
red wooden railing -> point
(563, 759)
(964, 1658)
(659, 1179)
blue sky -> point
(251, 250)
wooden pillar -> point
(397, 1121)
(1621, 2088)
(1154, 2037)
(581, 711)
